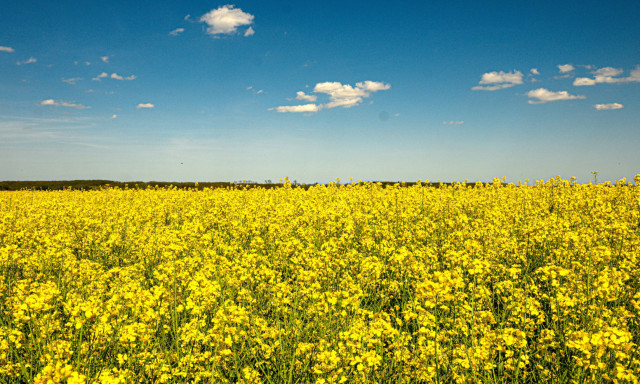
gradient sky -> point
(374, 90)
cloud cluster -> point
(608, 75)
(59, 103)
(610, 106)
(114, 76)
(340, 95)
(226, 20)
(7, 49)
(492, 81)
(28, 61)
(544, 96)
(145, 106)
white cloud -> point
(534, 71)
(105, 59)
(28, 61)
(347, 96)
(176, 31)
(115, 76)
(564, 68)
(298, 108)
(7, 49)
(226, 20)
(544, 96)
(498, 80)
(604, 107)
(580, 81)
(249, 32)
(72, 81)
(101, 76)
(54, 103)
(145, 105)
(609, 75)
(340, 95)
(453, 122)
(302, 96)
(114, 116)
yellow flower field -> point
(355, 283)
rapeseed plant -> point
(340, 283)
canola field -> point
(354, 283)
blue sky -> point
(256, 90)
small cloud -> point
(72, 80)
(54, 103)
(101, 76)
(176, 31)
(7, 49)
(453, 122)
(302, 96)
(187, 18)
(534, 71)
(257, 92)
(105, 59)
(114, 117)
(145, 105)
(28, 61)
(87, 63)
(89, 91)
(564, 68)
(581, 81)
(226, 20)
(492, 81)
(115, 76)
(298, 108)
(397, 115)
(610, 106)
(249, 32)
(545, 96)
(609, 75)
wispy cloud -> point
(72, 80)
(249, 32)
(28, 61)
(176, 32)
(544, 96)
(604, 107)
(226, 20)
(340, 95)
(534, 71)
(492, 81)
(298, 108)
(608, 75)
(60, 103)
(145, 106)
(7, 49)
(105, 59)
(453, 122)
(565, 68)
